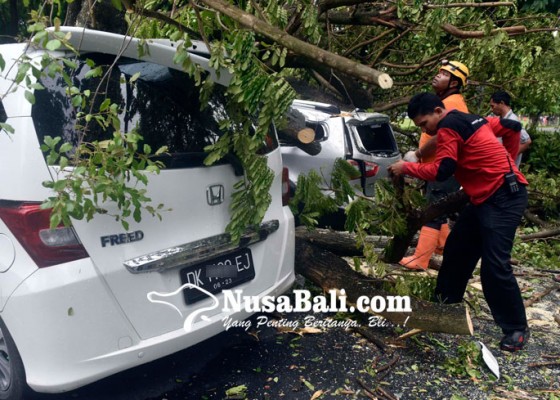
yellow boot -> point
(443, 233)
(427, 243)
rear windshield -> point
(163, 104)
(377, 138)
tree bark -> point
(350, 91)
(100, 15)
(541, 235)
(334, 61)
(342, 244)
(462, 34)
(295, 128)
(363, 19)
(398, 246)
(331, 272)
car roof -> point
(160, 51)
(317, 111)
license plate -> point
(218, 274)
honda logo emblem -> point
(215, 195)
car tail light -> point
(30, 225)
(356, 165)
(285, 187)
(370, 168)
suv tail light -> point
(367, 168)
(285, 187)
(356, 165)
(30, 225)
(370, 168)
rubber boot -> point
(443, 233)
(427, 243)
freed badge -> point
(122, 238)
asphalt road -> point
(272, 362)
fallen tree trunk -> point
(342, 244)
(396, 248)
(331, 272)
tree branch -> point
(310, 51)
(541, 235)
(392, 104)
(368, 42)
(389, 43)
(471, 5)
(461, 34)
(366, 18)
(414, 68)
(164, 18)
(325, 5)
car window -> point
(319, 128)
(376, 137)
(163, 104)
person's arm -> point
(509, 130)
(525, 141)
(442, 168)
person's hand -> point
(396, 169)
(410, 156)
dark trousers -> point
(486, 232)
(436, 191)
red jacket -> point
(467, 147)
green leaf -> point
(308, 384)
(236, 391)
(29, 96)
(2, 63)
(53, 44)
(7, 127)
(134, 77)
(117, 4)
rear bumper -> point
(70, 331)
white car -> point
(77, 304)
(366, 140)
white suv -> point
(365, 140)
(76, 304)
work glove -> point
(410, 156)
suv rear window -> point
(163, 104)
(377, 138)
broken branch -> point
(539, 296)
(462, 34)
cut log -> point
(538, 296)
(306, 135)
(296, 133)
(331, 272)
(340, 243)
(295, 129)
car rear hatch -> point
(373, 146)
(163, 104)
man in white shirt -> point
(500, 102)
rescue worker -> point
(447, 84)
(500, 103)
(485, 229)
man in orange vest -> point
(447, 84)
